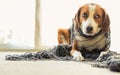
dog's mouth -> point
(88, 34)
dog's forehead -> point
(90, 6)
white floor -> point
(49, 67)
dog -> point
(90, 31)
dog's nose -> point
(89, 29)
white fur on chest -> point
(91, 44)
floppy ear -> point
(76, 19)
(106, 22)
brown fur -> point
(66, 34)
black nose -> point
(89, 28)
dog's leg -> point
(63, 36)
(76, 54)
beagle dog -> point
(90, 31)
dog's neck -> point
(79, 32)
(84, 38)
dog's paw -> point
(77, 56)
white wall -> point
(59, 13)
(18, 16)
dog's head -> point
(91, 19)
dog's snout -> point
(89, 29)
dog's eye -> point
(97, 16)
(85, 15)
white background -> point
(18, 16)
(59, 13)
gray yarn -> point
(111, 60)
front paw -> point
(77, 56)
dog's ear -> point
(105, 22)
(76, 19)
